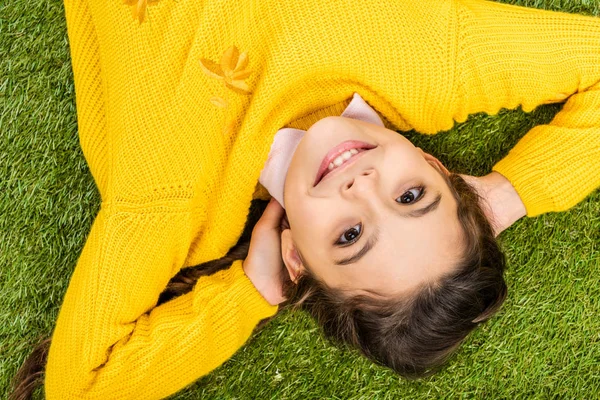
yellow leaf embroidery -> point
(138, 8)
(242, 61)
(211, 68)
(229, 59)
(240, 85)
(229, 129)
(141, 10)
(243, 74)
(231, 69)
(219, 102)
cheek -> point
(301, 166)
(310, 227)
(295, 185)
(304, 217)
(403, 148)
(404, 159)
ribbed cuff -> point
(256, 303)
(528, 181)
(240, 291)
(553, 168)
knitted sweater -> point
(177, 113)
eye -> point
(411, 195)
(350, 236)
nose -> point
(363, 183)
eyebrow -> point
(360, 254)
(425, 210)
(374, 237)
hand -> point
(264, 265)
(501, 202)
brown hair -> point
(30, 376)
(413, 335)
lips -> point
(336, 152)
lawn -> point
(545, 342)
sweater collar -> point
(286, 140)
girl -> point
(178, 108)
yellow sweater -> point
(177, 113)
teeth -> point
(339, 160)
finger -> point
(274, 210)
(272, 215)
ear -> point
(434, 162)
(290, 255)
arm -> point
(91, 112)
(111, 341)
(510, 56)
(500, 201)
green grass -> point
(545, 343)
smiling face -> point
(378, 219)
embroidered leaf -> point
(229, 129)
(133, 9)
(238, 87)
(242, 61)
(211, 68)
(229, 59)
(141, 10)
(243, 74)
(219, 102)
(138, 8)
(231, 70)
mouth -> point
(340, 156)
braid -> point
(31, 374)
(185, 280)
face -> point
(367, 210)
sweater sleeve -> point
(111, 341)
(91, 113)
(510, 56)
